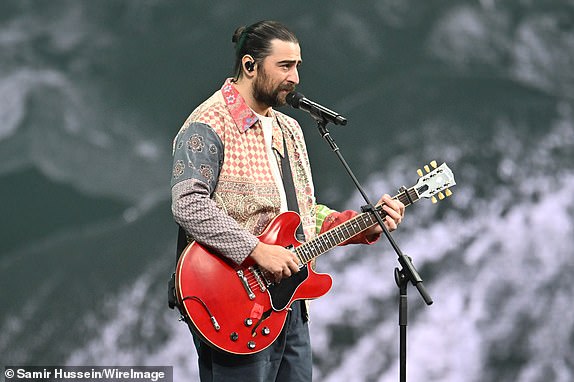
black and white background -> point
(92, 93)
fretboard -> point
(339, 234)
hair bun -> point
(237, 34)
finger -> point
(296, 260)
(293, 266)
(396, 205)
(391, 224)
(393, 204)
(277, 276)
(387, 199)
(393, 214)
(400, 207)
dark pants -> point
(288, 359)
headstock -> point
(434, 182)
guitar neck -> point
(339, 234)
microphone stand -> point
(402, 276)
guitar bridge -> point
(245, 284)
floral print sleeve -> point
(197, 154)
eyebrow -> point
(298, 62)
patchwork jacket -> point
(223, 190)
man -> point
(227, 186)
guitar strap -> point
(181, 243)
(292, 205)
(289, 187)
(171, 296)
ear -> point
(248, 65)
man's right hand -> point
(275, 259)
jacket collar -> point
(241, 113)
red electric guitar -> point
(239, 308)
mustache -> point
(289, 88)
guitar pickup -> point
(245, 284)
(255, 272)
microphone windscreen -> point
(294, 98)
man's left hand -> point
(395, 210)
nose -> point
(293, 76)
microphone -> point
(298, 101)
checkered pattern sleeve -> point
(197, 159)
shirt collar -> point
(245, 118)
(241, 113)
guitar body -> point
(235, 308)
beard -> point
(264, 91)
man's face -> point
(277, 75)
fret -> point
(404, 199)
(367, 221)
(372, 219)
(326, 241)
(332, 239)
(406, 196)
(336, 236)
(346, 226)
(414, 195)
(308, 253)
(321, 245)
(303, 251)
(350, 228)
(356, 226)
(311, 251)
(315, 248)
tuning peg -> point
(440, 195)
(420, 172)
(427, 169)
(448, 192)
(433, 199)
(433, 164)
